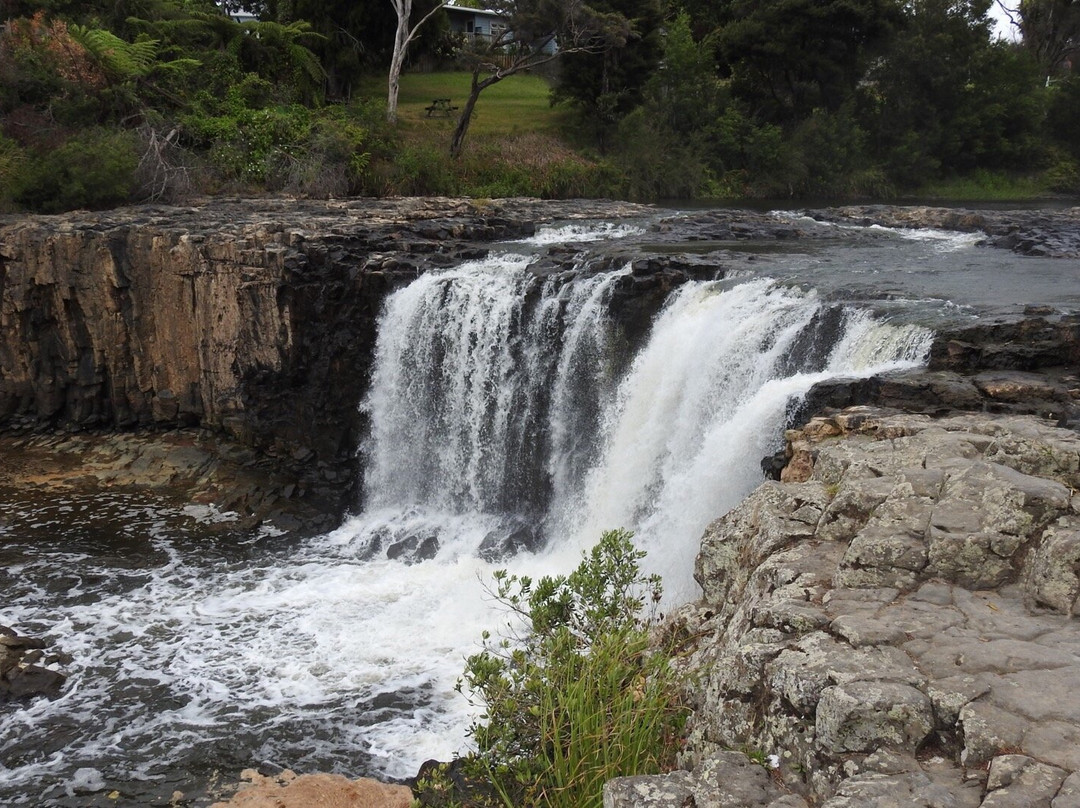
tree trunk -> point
(458, 140)
(401, 44)
(394, 84)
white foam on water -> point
(274, 649)
(944, 241)
(582, 233)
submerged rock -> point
(27, 669)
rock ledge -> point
(896, 620)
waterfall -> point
(501, 394)
(707, 398)
(485, 400)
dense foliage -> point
(575, 696)
(108, 101)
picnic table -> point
(440, 106)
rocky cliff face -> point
(896, 622)
(252, 319)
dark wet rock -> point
(733, 227)
(1025, 344)
(413, 549)
(500, 544)
(24, 671)
(31, 681)
(445, 785)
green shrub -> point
(1063, 173)
(658, 162)
(95, 169)
(423, 169)
(12, 169)
(750, 158)
(580, 697)
(331, 160)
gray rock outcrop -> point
(896, 621)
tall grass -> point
(986, 186)
(612, 717)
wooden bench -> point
(440, 106)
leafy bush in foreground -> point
(580, 697)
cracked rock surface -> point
(897, 621)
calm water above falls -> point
(507, 413)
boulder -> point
(26, 671)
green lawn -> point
(515, 105)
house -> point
(476, 22)
(481, 23)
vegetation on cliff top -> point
(110, 102)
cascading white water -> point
(496, 393)
(704, 401)
(486, 387)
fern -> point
(125, 60)
(290, 40)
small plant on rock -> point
(578, 695)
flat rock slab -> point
(287, 790)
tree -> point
(402, 37)
(356, 36)
(535, 32)
(605, 86)
(1051, 31)
(947, 98)
(787, 58)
